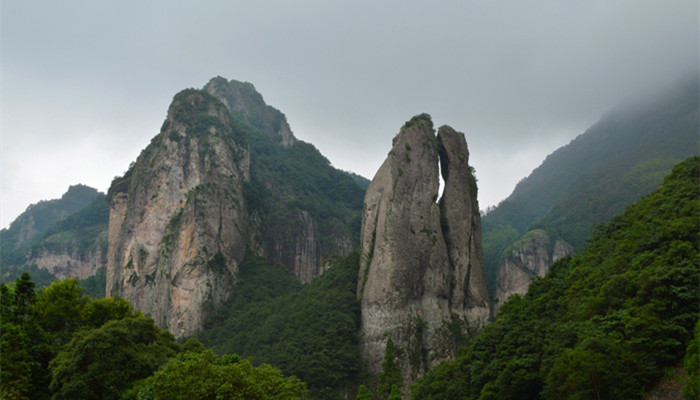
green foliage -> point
(395, 394)
(36, 326)
(95, 285)
(203, 375)
(298, 178)
(24, 346)
(691, 391)
(615, 162)
(362, 393)
(390, 377)
(101, 363)
(199, 112)
(603, 324)
(59, 308)
(307, 331)
(418, 119)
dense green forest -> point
(58, 343)
(615, 162)
(308, 331)
(607, 323)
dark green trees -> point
(101, 363)
(203, 375)
(24, 347)
(36, 327)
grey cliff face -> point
(178, 225)
(421, 265)
(529, 257)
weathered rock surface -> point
(178, 226)
(461, 224)
(529, 257)
(70, 261)
(421, 270)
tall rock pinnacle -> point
(421, 270)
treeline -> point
(608, 323)
(58, 343)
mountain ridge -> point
(622, 157)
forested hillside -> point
(614, 163)
(607, 323)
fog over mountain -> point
(85, 84)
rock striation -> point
(527, 258)
(421, 272)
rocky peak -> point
(178, 225)
(421, 267)
(242, 98)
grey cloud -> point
(519, 78)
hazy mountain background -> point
(612, 164)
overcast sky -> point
(86, 84)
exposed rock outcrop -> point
(70, 261)
(421, 270)
(178, 224)
(528, 257)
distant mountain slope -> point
(607, 323)
(37, 218)
(57, 238)
(619, 159)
